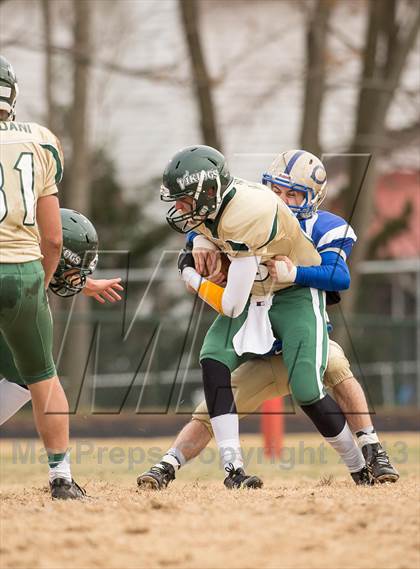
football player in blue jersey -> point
(299, 179)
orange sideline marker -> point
(272, 426)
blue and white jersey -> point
(334, 239)
(330, 232)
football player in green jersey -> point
(31, 167)
(251, 225)
(78, 261)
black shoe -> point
(62, 489)
(158, 477)
(237, 478)
(362, 477)
(378, 463)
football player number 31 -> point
(25, 167)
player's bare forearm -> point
(50, 230)
(51, 252)
(103, 289)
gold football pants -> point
(264, 378)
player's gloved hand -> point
(282, 270)
(185, 260)
(186, 268)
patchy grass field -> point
(309, 513)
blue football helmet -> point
(303, 172)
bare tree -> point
(316, 61)
(51, 119)
(79, 175)
(387, 46)
(78, 194)
(189, 10)
(46, 6)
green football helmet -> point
(200, 172)
(9, 89)
(79, 256)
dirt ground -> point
(309, 513)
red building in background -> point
(398, 198)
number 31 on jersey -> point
(25, 166)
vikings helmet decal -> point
(200, 173)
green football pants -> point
(26, 330)
(298, 319)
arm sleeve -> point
(201, 242)
(229, 301)
(190, 236)
(333, 273)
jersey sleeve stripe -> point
(345, 245)
(341, 243)
(337, 250)
(56, 156)
(342, 232)
(273, 231)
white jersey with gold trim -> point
(31, 166)
(253, 221)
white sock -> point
(346, 447)
(226, 433)
(175, 457)
(62, 469)
(367, 436)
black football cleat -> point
(237, 478)
(62, 489)
(378, 463)
(158, 477)
(362, 477)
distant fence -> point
(385, 338)
(384, 372)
